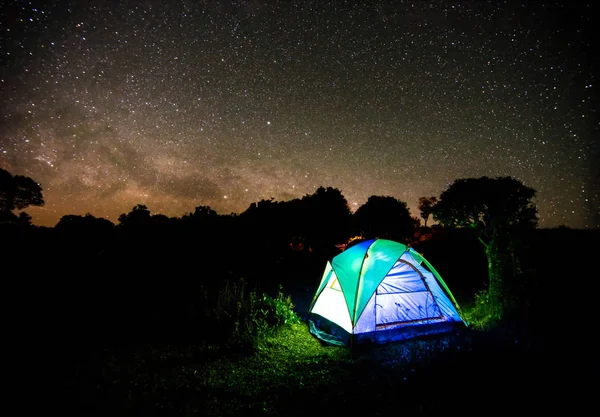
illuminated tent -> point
(380, 290)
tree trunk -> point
(495, 287)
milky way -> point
(186, 103)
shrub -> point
(481, 315)
(243, 318)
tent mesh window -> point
(399, 301)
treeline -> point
(151, 268)
(317, 223)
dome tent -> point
(379, 290)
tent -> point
(379, 290)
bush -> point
(243, 318)
(481, 315)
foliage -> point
(293, 374)
(426, 207)
(140, 223)
(203, 218)
(287, 371)
(481, 315)
(244, 350)
(139, 215)
(319, 220)
(496, 209)
(24, 218)
(18, 192)
(327, 217)
(488, 205)
(203, 212)
(385, 217)
(74, 223)
(242, 317)
(277, 311)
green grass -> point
(289, 373)
(262, 360)
(174, 378)
(286, 364)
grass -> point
(262, 360)
(287, 368)
(196, 380)
(286, 371)
(247, 354)
(289, 373)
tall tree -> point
(426, 207)
(384, 217)
(18, 192)
(326, 217)
(495, 209)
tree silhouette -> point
(18, 192)
(495, 209)
(84, 234)
(202, 226)
(24, 219)
(264, 222)
(203, 212)
(88, 225)
(426, 207)
(138, 216)
(326, 218)
(319, 221)
(384, 217)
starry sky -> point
(176, 104)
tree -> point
(204, 212)
(18, 192)
(85, 233)
(495, 209)
(264, 222)
(24, 219)
(88, 225)
(426, 207)
(138, 216)
(384, 217)
(325, 217)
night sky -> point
(176, 104)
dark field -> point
(128, 331)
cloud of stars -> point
(224, 103)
